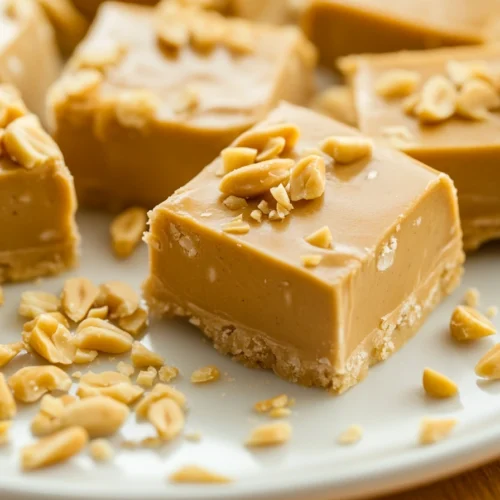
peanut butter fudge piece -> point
(441, 107)
(29, 59)
(317, 280)
(37, 197)
(342, 27)
(155, 93)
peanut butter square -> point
(464, 142)
(29, 58)
(342, 27)
(339, 270)
(37, 197)
(153, 94)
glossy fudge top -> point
(203, 69)
(473, 73)
(363, 202)
(475, 18)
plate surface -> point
(388, 405)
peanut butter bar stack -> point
(306, 249)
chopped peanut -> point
(236, 226)
(147, 377)
(281, 401)
(263, 206)
(168, 373)
(34, 303)
(351, 435)
(256, 215)
(471, 298)
(491, 312)
(280, 412)
(30, 383)
(468, 324)
(101, 450)
(9, 351)
(322, 238)
(160, 391)
(100, 335)
(489, 365)
(434, 430)
(136, 108)
(100, 57)
(167, 417)
(311, 260)
(84, 356)
(475, 100)
(54, 449)
(4, 431)
(234, 158)
(270, 434)
(12, 106)
(437, 100)
(307, 180)
(274, 147)
(460, 72)
(142, 357)
(112, 384)
(397, 83)
(193, 474)
(126, 231)
(235, 203)
(120, 298)
(438, 385)
(259, 138)
(8, 408)
(281, 196)
(206, 374)
(347, 149)
(98, 312)
(136, 322)
(125, 369)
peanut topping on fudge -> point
(397, 83)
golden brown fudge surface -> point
(29, 58)
(37, 197)
(467, 150)
(396, 252)
(156, 118)
(342, 27)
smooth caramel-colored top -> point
(376, 113)
(232, 89)
(362, 201)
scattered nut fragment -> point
(112, 384)
(160, 391)
(307, 180)
(280, 412)
(121, 299)
(234, 158)
(80, 84)
(489, 365)
(193, 474)
(235, 203)
(136, 322)
(469, 324)
(50, 339)
(311, 260)
(322, 238)
(8, 408)
(351, 435)
(274, 147)
(26, 143)
(60, 318)
(142, 357)
(438, 385)
(172, 35)
(206, 374)
(270, 434)
(347, 149)
(491, 312)
(34, 303)
(239, 37)
(84, 356)
(236, 226)
(167, 417)
(410, 103)
(125, 369)
(99, 416)
(147, 377)
(136, 108)
(281, 196)
(54, 449)
(433, 430)
(281, 401)
(12, 106)
(437, 100)
(256, 215)
(47, 420)
(100, 57)
(168, 373)
(258, 138)
(471, 297)
(460, 72)
(101, 450)
(30, 383)
(476, 99)
(263, 206)
(9, 351)
(126, 231)
(256, 179)
(4, 431)
(100, 335)
(397, 83)
(98, 312)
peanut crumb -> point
(469, 324)
(206, 374)
(472, 297)
(168, 373)
(281, 196)
(125, 369)
(438, 100)
(280, 412)
(142, 357)
(434, 430)
(236, 226)
(397, 83)
(322, 238)
(488, 366)
(193, 474)
(347, 149)
(126, 231)
(101, 450)
(147, 377)
(235, 203)
(234, 158)
(76, 375)
(272, 434)
(311, 260)
(263, 206)
(256, 215)
(281, 401)
(492, 312)
(438, 385)
(351, 435)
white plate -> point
(388, 405)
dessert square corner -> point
(395, 252)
